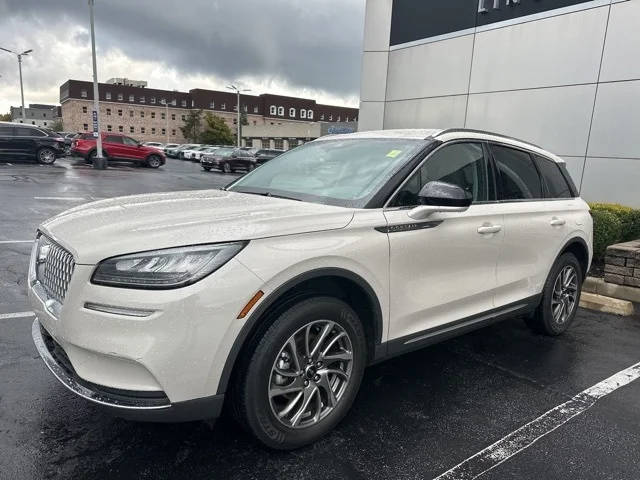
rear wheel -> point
(154, 161)
(560, 297)
(303, 374)
(226, 168)
(46, 156)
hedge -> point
(613, 223)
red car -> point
(117, 147)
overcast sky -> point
(308, 48)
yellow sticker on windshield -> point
(394, 153)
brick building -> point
(156, 115)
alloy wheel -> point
(47, 156)
(565, 294)
(310, 374)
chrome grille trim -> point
(57, 272)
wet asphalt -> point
(415, 417)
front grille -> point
(56, 272)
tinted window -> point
(4, 130)
(517, 175)
(556, 185)
(461, 164)
(113, 139)
(129, 141)
(28, 132)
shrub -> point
(629, 218)
(607, 230)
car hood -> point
(106, 228)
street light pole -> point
(99, 162)
(19, 55)
(239, 126)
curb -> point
(621, 292)
(600, 303)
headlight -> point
(167, 268)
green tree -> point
(57, 126)
(5, 117)
(216, 131)
(192, 126)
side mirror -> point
(440, 197)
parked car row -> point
(230, 159)
(20, 141)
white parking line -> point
(527, 435)
(72, 199)
(16, 241)
(4, 316)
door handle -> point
(487, 229)
(557, 222)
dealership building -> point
(563, 74)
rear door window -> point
(29, 132)
(554, 182)
(113, 139)
(6, 131)
(517, 175)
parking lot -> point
(416, 416)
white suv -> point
(275, 293)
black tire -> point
(226, 168)
(542, 320)
(46, 156)
(154, 161)
(250, 394)
(250, 167)
(208, 169)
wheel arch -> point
(577, 246)
(336, 282)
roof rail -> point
(484, 132)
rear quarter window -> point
(556, 186)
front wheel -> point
(560, 297)
(154, 161)
(46, 156)
(303, 374)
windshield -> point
(224, 152)
(342, 172)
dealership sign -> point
(415, 20)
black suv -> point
(264, 155)
(19, 141)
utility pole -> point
(19, 55)
(99, 161)
(239, 117)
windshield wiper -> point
(267, 194)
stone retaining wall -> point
(622, 264)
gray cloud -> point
(308, 44)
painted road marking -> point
(16, 241)
(527, 435)
(72, 199)
(4, 316)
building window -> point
(272, 110)
(278, 143)
(120, 128)
(173, 116)
(153, 130)
(131, 113)
(281, 111)
(310, 114)
(183, 103)
(153, 100)
(141, 129)
(83, 93)
(235, 107)
(303, 113)
(119, 112)
(109, 128)
(108, 111)
(132, 98)
(45, 124)
(164, 131)
(330, 117)
(255, 109)
(163, 116)
(153, 114)
(85, 126)
(84, 109)
(142, 100)
(212, 105)
(292, 113)
(245, 108)
(142, 114)
(223, 106)
(322, 116)
(107, 95)
(174, 102)
(338, 118)
(173, 132)
(163, 101)
(183, 118)
(120, 97)
(346, 119)
(131, 130)
(235, 121)
(255, 123)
